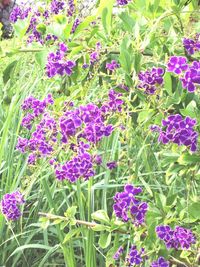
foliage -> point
(75, 223)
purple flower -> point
(19, 13)
(177, 64)
(135, 257)
(57, 6)
(191, 45)
(94, 57)
(98, 160)
(115, 102)
(75, 25)
(118, 253)
(179, 131)
(179, 238)
(150, 80)
(57, 64)
(128, 207)
(112, 66)
(10, 205)
(111, 165)
(78, 167)
(71, 8)
(85, 66)
(123, 2)
(161, 262)
(191, 77)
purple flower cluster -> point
(151, 80)
(71, 8)
(112, 66)
(78, 128)
(35, 108)
(128, 207)
(118, 253)
(135, 257)
(111, 165)
(178, 130)
(114, 103)
(75, 25)
(188, 74)
(90, 119)
(57, 6)
(178, 238)
(161, 262)
(191, 77)
(123, 2)
(78, 167)
(19, 13)
(192, 45)
(10, 205)
(57, 64)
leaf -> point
(21, 27)
(101, 216)
(8, 71)
(168, 83)
(29, 246)
(71, 211)
(128, 22)
(194, 210)
(187, 159)
(100, 227)
(104, 240)
(41, 28)
(84, 24)
(71, 234)
(107, 16)
(41, 58)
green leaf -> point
(186, 159)
(41, 28)
(194, 210)
(70, 213)
(107, 16)
(128, 22)
(21, 27)
(71, 234)
(41, 58)
(84, 25)
(168, 83)
(101, 216)
(7, 73)
(100, 227)
(104, 240)
(61, 19)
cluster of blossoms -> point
(123, 2)
(57, 6)
(178, 238)
(19, 13)
(71, 8)
(10, 205)
(161, 262)
(35, 108)
(178, 130)
(192, 45)
(94, 56)
(80, 128)
(112, 66)
(151, 80)
(188, 74)
(57, 64)
(128, 207)
(135, 257)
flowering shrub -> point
(89, 88)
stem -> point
(80, 222)
(66, 252)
